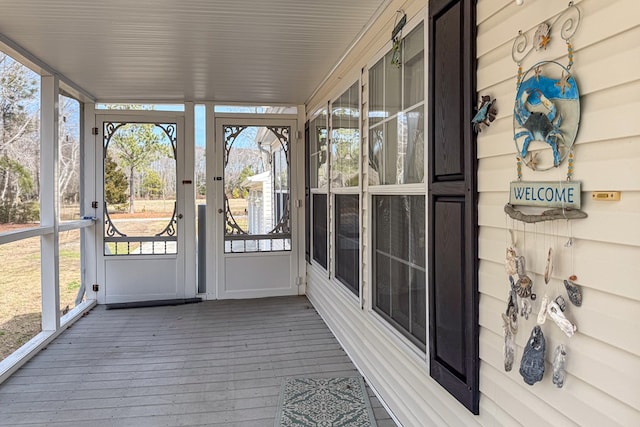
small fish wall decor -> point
(486, 113)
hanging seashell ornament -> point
(521, 266)
(549, 267)
(556, 314)
(574, 292)
(532, 363)
(559, 366)
(523, 286)
(542, 314)
(510, 262)
(510, 317)
(509, 348)
(525, 308)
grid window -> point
(320, 229)
(347, 241)
(396, 115)
(399, 273)
(345, 139)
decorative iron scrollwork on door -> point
(256, 162)
(138, 145)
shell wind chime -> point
(546, 118)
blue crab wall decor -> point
(546, 115)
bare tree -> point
(19, 136)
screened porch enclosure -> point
(303, 180)
(109, 145)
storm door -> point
(258, 252)
(142, 250)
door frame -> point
(215, 200)
(185, 197)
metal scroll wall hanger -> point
(546, 110)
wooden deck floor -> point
(213, 363)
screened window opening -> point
(320, 229)
(347, 241)
(399, 264)
(396, 115)
(256, 189)
(140, 188)
(19, 146)
(69, 156)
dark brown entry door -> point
(453, 302)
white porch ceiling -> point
(255, 51)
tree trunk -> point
(131, 190)
(5, 185)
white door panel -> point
(255, 219)
(141, 250)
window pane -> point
(376, 93)
(399, 274)
(345, 139)
(400, 293)
(347, 241)
(320, 229)
(318, 151)
(418, 304)
(256, 109)
(382, 279)
(392, 86)
(200, 172)
(411, 133)
(69, 158)
(147, 107)
(396, 146)
(20, 294)
(19, 146)
(414, 67)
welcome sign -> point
(545, 194)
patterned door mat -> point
(324, 402)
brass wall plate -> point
(606, 196)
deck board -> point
(213, 363)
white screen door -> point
(142, 238)
(255, 220)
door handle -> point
(179, 216)
(220, 210)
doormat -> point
(324, 402)
(154, 303)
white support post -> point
(213, 219)
(189, 194)
(49, 110)
(90, 173)
(300, 172)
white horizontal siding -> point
(604, 355)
